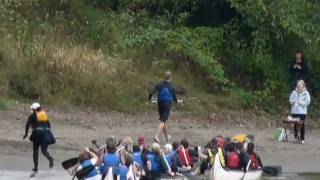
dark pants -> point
(44, 150)
(302, 130)
(164, 111)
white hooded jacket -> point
(299, 101)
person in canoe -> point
(87, 168)
(255, 163)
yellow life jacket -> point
(211, 157)
(221, 156)
(241, 138)
(42, 117)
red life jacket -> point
(233, 161)
(188, 161)
(254, 162)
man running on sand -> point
(166, 96)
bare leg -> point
(165, 131)
(161, 126)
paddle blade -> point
(70, 163)
(272, 170)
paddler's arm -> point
(154, 90)
(27, 127)
(93, 156)
(175, 99)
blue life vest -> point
(123, 172)
(92, 173)
(110, 160)
(169, 158)
(155, 164)
(165, 95)
(137, 158)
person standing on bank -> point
(41, 135)
(299, 100)
(299, 69)
(166, 96)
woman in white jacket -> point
(299, 100)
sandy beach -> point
(74, 129)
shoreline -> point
(71, 127)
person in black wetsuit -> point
(40, 136)
(166, 96)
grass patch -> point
(6, 104)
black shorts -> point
(164, 111)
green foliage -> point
(200, 45)
(53, 50)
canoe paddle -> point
(67, 164)
(272, 170)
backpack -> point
(165, 95)
(233, 161)
(254, 162)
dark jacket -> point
(157, 89)
(299, 74)
(39, 136)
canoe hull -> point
(253, 175)
(220, 173)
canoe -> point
(220, 173)
(252, 175)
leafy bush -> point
(98, 53)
